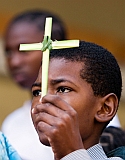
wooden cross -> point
(45, 46)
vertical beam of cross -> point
(45, 59)
(45, 47)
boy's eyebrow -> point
(36, 84)
(56, 81)
(53, 82)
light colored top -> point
(19, 130)
(93, 153)
(7, 152)
(115, 122)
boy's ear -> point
(107, 108)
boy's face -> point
(23, 66)
(64, 81)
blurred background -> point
(102, 22)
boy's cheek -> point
(35, 102)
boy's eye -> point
(36, 93)
(63, 90)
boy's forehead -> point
(61, 67)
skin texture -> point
(23, 66)
(69, 117)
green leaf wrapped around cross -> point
(45, 47)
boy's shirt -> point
(95, 152)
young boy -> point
(84, 90)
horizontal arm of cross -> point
(55, 45)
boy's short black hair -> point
(100, 67)
(38, 17)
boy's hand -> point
(56, 120)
